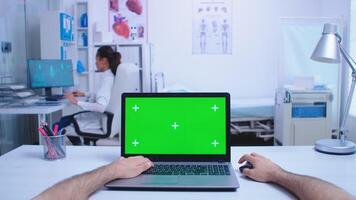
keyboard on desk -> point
(181, 169)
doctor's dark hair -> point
(113, 57)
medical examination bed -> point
(253, 116)
(250, 116)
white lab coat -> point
(98, 102)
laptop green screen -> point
(175, 125)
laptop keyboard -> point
(171, 169)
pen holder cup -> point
(54, 147)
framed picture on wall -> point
(128, 21)
(212, 22)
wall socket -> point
(6, 47)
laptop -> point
(186, 135)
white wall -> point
(34, 8)
(12, 29)
(351, 126)
(19, 24)
(251, 71)
(351, 123)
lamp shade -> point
(327, 50)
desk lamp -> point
(328, 51)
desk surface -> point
(24, 173)
(32, 109)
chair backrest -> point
(127, 79)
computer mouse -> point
(247, 165)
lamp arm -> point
(351, 63)
(345, 115)
(348, 58)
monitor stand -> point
(51, 97)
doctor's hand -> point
(264, 170)
(71, 98)
(129, 167)
(78, 94)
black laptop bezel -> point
(179, 157)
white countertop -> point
(27, 107)
(24, 173)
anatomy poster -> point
(128, 20)
(212, 20)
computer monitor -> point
(50, 74)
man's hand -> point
(78, 94)
(130, 167)
(71, 98)
(264, 170)
(82, 186)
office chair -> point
(126, 80)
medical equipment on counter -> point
(302, 116)
(15, 91)
(24, 94)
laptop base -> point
(150, 182)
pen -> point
(48, 130)
(55, 129)
(43, 132)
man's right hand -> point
(264, 170)
(130, 167)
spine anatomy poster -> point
(212, 31)
(128, 20)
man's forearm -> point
(305, 187)
(80, 186)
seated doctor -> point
(107, 62)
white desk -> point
(33, 110)
(24, 173)
(41, 111)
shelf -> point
(98, 44)
(82, 28)
(68, 42)
(82, 2)
(83, 73)
(82, 47)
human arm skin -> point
(82, 186)
(71, 98)
(304, 187)
(87, 106)
(78, 94)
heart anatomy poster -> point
(212, 31)
(128, 20)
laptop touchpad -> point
(160, 179)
